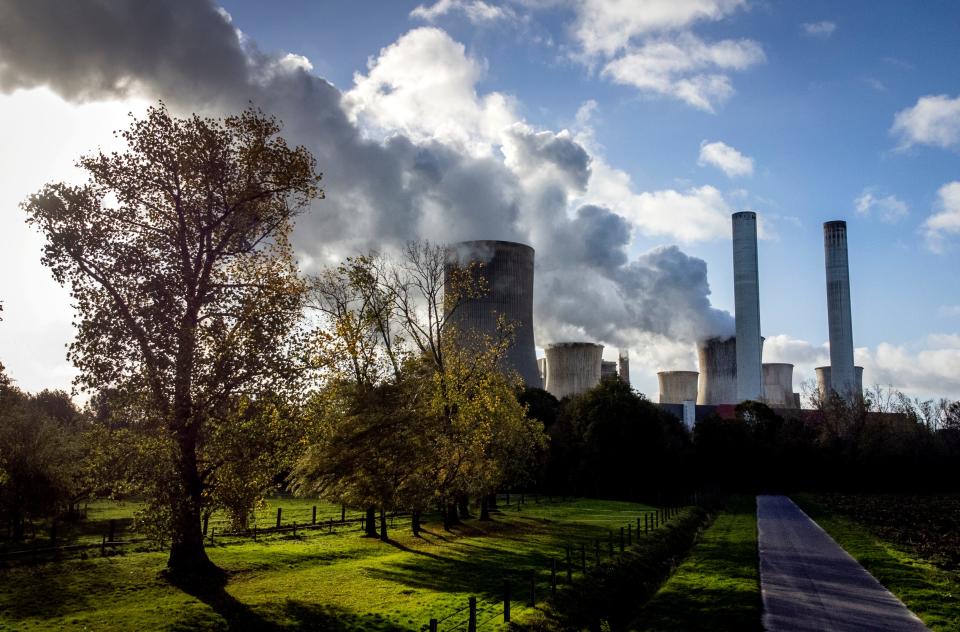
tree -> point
(177, 255)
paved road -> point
(810, 583)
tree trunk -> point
(188, 557)
(485, 508)
(463, 504)
(371, 523)
(383, 525)
(415, 522)
(450, 516)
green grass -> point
(717, 586)
(931, 593)
(317, 580)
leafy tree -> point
(177, 255)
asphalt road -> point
(810, 583)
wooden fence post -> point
(294, 528)
(279, 513)
(533, 588)
(343, 513)
(506, 601)
(472, 621)
(313, 520)
(433, 625)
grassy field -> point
(717, 587)
(930, 590)
(317, 580)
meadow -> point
(318, 579)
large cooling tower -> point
(778, 385)
(843, 380)
(824, 380)
(572, 367)
(677, 387)
(507, 268)
(718, 371)
(746, 293)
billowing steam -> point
(409, 152)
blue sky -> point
(804, 97)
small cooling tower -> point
(677, 387)
(778, 385)
(572, 367)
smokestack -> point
(507, 268)
(572, 367)
(746, 293)
(843, 378)
(677, 387)
(623, 358)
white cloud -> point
(934, 120)
(822, 29)
(606, 27)
(725, 158)
(889, 208)
(685, 67)
(946, 221)
(477, 11)
(949, 311)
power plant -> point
(746, 294)
(778, 385)
(731, 367)
(572, 367)
(677, 387)
(507, 269)
(842, 378)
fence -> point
(651, 521)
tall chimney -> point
(623, 360)
(746, 294)
(842, 375)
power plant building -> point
(623, 362)
(746, 291)
(825, 382)
(608, 369)
(718, 371)
(572, 367)
(778, 385)
(507, 268)
(677, 387)
(842, 377)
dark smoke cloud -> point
(379, 194)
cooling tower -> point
(623, 359)
(843, 380)
(507, 268)
(572, 367)
(608, 369)
(824, 380)
(746, 293)
(718, 371)
(677, 387)
(778, 385)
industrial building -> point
(507, 269)
(572, 367)
(677, 387)
(778, 385)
